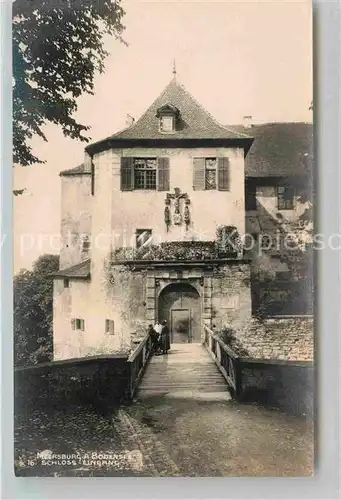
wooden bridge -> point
(188, 369)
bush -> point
(33, 308)
(228, 240)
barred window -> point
(144, 173)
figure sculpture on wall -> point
(167, 217)
(187, 218)
(177, 218)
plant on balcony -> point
(228, 241)
(176, 250)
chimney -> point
(247, 121)
(130, 120)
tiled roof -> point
(81, 270)
(79, 170)
(194, 122)
(279, 149)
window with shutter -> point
(223, 174)
(163, 174)
(127, 174)
(199, 174)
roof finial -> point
(174, 69)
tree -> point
(57, 50)
(33, 305)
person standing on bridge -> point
(165, 338)
(154, 338)
(157, 329)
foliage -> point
(228, 240)
(175, 250)
(57, 50)
(33, 299)
(230, 337)
(279, 297)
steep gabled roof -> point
(279, 149)
(81, 270)
(79, 170)
(194, 122)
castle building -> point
(151, 226)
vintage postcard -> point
(163, 199)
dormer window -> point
(167, 116)
(166, 124)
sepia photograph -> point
(163, 198)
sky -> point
(235, 57)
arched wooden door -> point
(179, 304)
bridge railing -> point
(137, 362)
(226, 360)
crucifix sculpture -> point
(177, 196)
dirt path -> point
(219, 438)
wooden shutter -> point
(199, 174)
(73, 324)
(223, 174)
(163, 174)
(127, 174)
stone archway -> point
(180, 305)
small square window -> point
(86, 244)
(78, 324)
(166, 124)
(109, 326)
(66, 283)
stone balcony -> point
(178, 251)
